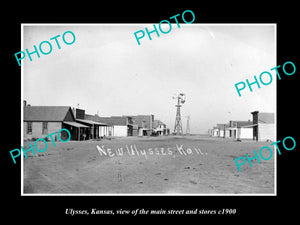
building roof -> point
(90, 122)
(266, 117)
(241, 123)
(48, 113)
(91, 117)
(157, 123)
(114, 120)
(219, 125)
(75, 124)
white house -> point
(215, 132)
(120, 131)
(121, 126)
(223, 130)
(241, 129)
(159, 127)
(118, 126)
(245, 132)
(105, 130)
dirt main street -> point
(148, 165)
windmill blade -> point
(183, 98)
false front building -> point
(264, 126)
(143, 124)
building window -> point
(29, 128)
(45, 128)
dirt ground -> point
(207, 168)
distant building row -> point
(261, 128)
(42, 120)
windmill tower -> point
(178, 124)
(188, 125)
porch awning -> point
(74, 124)
(247, 126)
(252, 125)
(91, 122)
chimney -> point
(74, 112)
(24, 103)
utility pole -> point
(188, 125)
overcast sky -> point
(105, 70)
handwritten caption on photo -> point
(132, 150)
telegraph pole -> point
(188, 125)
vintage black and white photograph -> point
(148, 112)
